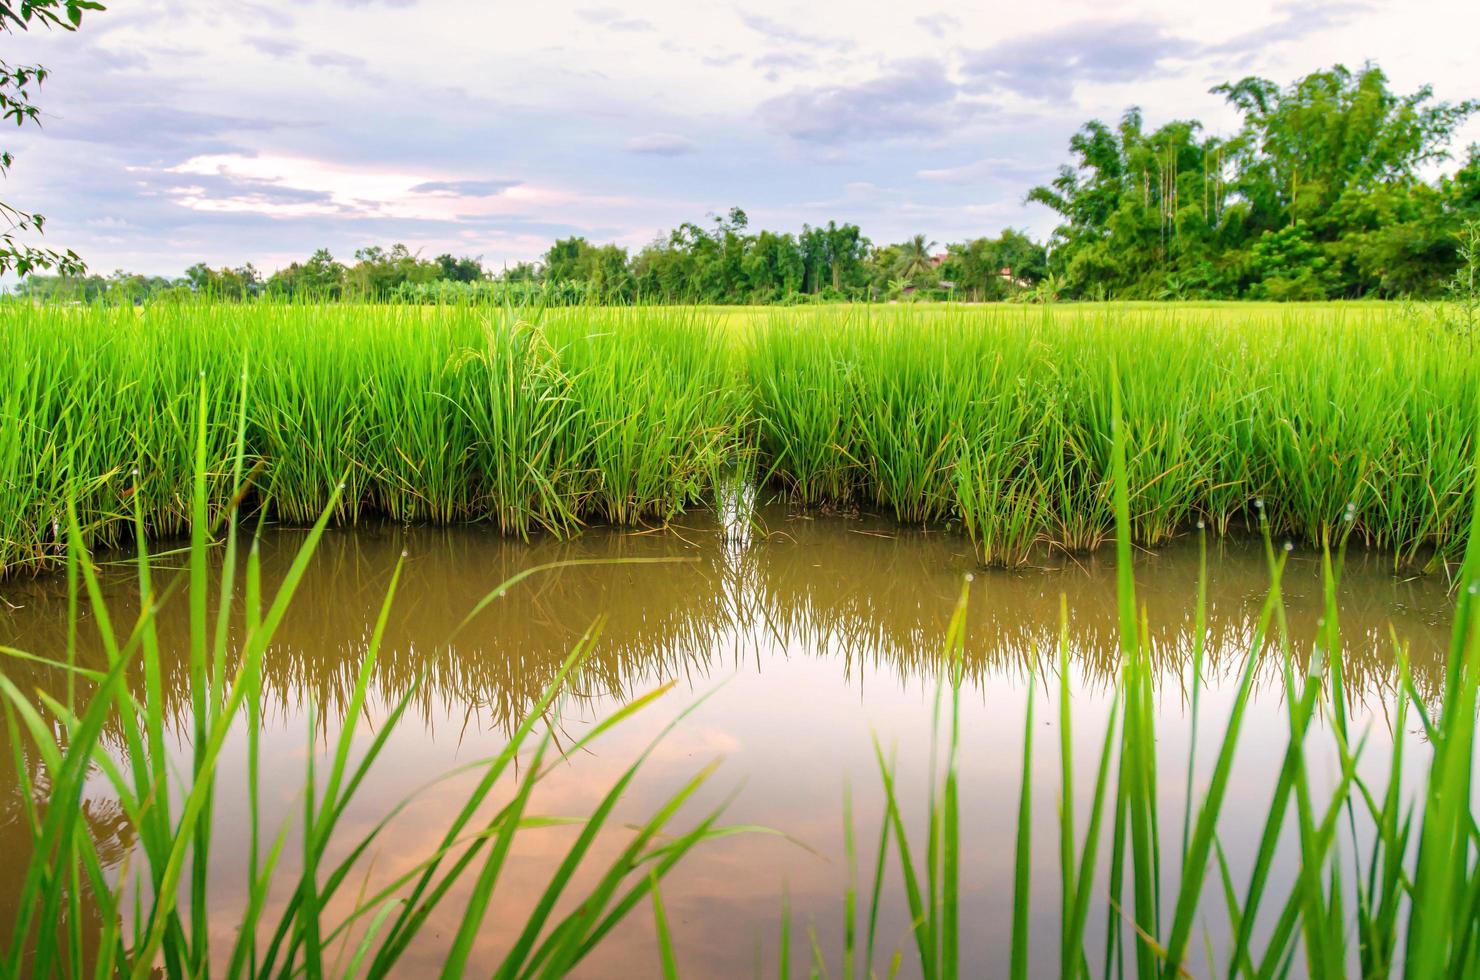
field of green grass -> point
(1325, 420)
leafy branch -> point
(16, 85)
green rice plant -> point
(34, 468)
(1003, 515)
(1167, 408)
(418, 447)
(922, 412)
(453, 413)
(802, 393)
(996, 417)
(308, 416)
(660, 414)
(519, 407)
(1423, 492)
(910, 398)
(1000, 491)
(537, 436)
(1325, 455)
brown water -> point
(813, 634)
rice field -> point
(1324, 421)
(1385, 866)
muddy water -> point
(810, 636)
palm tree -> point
(914, 258)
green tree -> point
(1025, 259)
(973, 266)
(881, 266)
(16, 85)
(379, 272)
(1140, 207)
(564, 260)
(977, 266)
(916, 264)
(774, 267)
(1289, 265)
(833, 257)
(604, 270)
(225, 283)
(665, 271)
(321, 277)
(463, 269)
(1175, 213)
(1334, 133)
(520, 272)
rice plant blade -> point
(1074, 961)
(1023, 864)
(917, 909)
(665, 941)
(783, 966)
(571, 940)
(472, 917)
(1199, 849)
(881, 854)
(850, 895)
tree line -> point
(1326, 190)
(720, 262)
(1321, 193)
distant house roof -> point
(1007, 275)
(939, 258)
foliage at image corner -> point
(17, 82)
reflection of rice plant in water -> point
(870, 596)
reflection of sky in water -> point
(817, 634)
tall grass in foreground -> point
(1386, 885)
(155, 917)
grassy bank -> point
(1328, 420)
(449, 415)
(1324, 418)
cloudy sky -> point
(177, 132)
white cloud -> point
(986, 169)
(613, 19)
(909, 98)
(283, 186)
(661, 144)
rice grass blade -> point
(666, 958)
(1023, 864)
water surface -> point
(811, 636)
